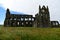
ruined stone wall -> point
(18, 20)
(43, 17)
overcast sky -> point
(31, 6)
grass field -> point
(24, 33)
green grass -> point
(27, 33)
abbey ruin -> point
(41, 19)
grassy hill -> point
(24, 33)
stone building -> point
(41, 19)
(54, 24)
(18, 20)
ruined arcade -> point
(18, 20)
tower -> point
(42, 19)
(7, 13)
(6, 22)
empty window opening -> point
(10, 18)
(54, 24)
(26, 19)
(22, 23)
(14, 18)
(21, 19)
(26, 22)
(32, 19)
(18, 23)
(29, 19)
